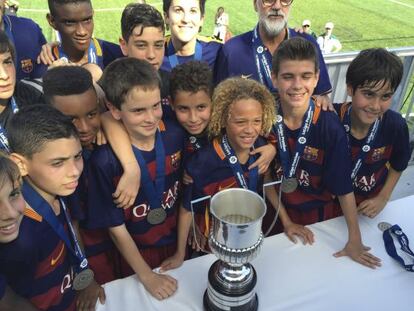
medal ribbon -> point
(236, 167)
(92, 55)
(372, 133)
(262, 63)
(396, 231)
(172, 56)
(153, 193)
(42, 207)
(289, 168)
(4, 143)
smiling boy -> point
(378, 136)
(313, 155)
(74, 21)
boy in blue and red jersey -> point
(27, 37)
(185, 19)
(378, 137)
(145, 233)
(74, 22)
(242, 110)
(313, 155)
(45, 263)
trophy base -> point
(253, 305)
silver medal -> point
(156, 216)
(83, 279)
(289, 185)
(383, 226)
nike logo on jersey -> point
(53, 261)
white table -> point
(297, 277)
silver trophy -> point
(235, 238)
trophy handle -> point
(272, 183)
(208, 197)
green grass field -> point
(358, 24)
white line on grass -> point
(96, 10)
(402, 3)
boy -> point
(145, 234)
(313, 156)
(11, 215)
(45, 264)
(74, 21)
(378, 136)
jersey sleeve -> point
(110, 52)
(337, 172)
(221, 66)
(102, 173)
(401, 146)
(193, 168)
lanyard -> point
(4, 143)
(262, 63)
(289, 167)
(43, 208)
(236, 167)
(92, 55)
(153, 192)
(172, 56)
(396, 231)
(372, 133)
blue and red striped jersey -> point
(103, 176)
(391, 147)
(324, 169)
(37, 264)
(211, 173)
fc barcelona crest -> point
(310, 154)
(378, 154)
(27, 65)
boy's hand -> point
(160, 286)
(127, 188)
(172, 262)
(372, 207)
(304, 233)
(187, 179)
(46, 56)
(359, 253)
(324, 102)
(197, 242)
(100, 138)
(267, 154)
(87, 298)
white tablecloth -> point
(297, 277)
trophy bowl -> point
(235, 238)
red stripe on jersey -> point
(48, 299)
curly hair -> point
(192, 76)
(231, 90)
